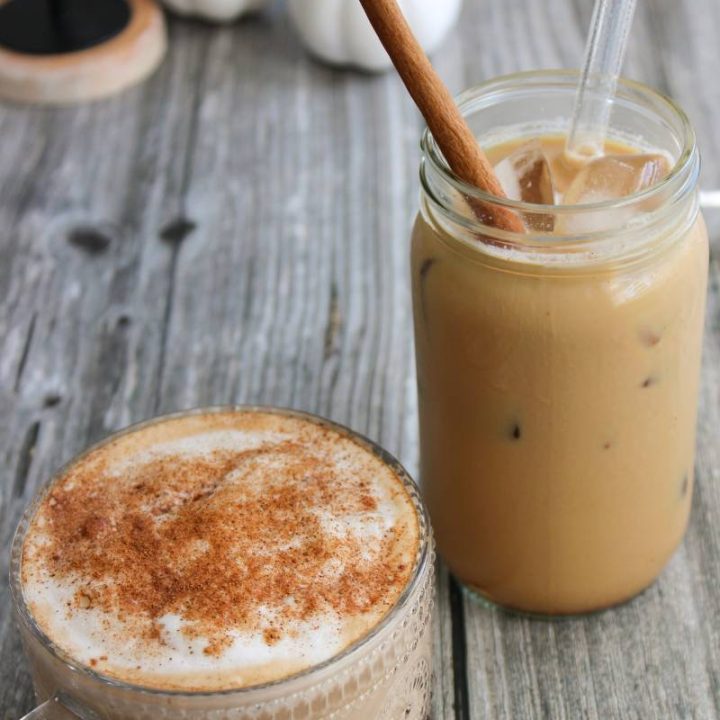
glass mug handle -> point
(52, 709)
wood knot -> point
(124, 320)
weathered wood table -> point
(236, 230)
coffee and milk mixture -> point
(558, 391)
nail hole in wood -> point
(177, 230)
(89, 239)
(52, 399)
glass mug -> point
(385, 674)
(558, 371)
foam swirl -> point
(219, 550)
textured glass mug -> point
(558, 372)
(384, 675)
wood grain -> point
(236, 230)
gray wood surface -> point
(236, 230)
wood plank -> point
(234, 231)
(83, 236)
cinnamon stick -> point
(446, 123)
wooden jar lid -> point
(125, 58)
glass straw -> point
(604, 52)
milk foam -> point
(108, 639)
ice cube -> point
(615, 176)
(609, 177)
(525, 175)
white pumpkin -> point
(339, 32)
(215, 10)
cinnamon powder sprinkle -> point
(219, 538)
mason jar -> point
(558, 370)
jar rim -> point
(685, 169)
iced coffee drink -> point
(228, 563)
(558, 369)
